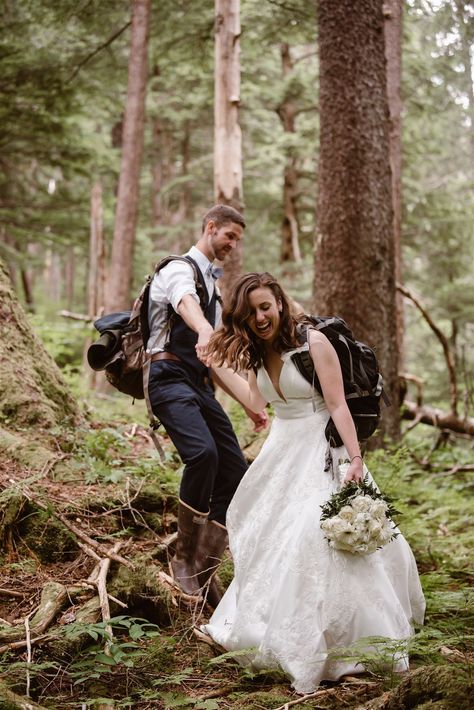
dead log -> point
(53, 597)
(438, 417)
(12, 701)
(66, 648)
(427, 685)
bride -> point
(294, 602)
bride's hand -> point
(355, 471)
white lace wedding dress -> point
(293, 599)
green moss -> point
(47, 537)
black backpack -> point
(363, 383)
(121, 348)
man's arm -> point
(190, 311)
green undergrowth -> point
(155, 660)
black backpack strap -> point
(187, 260)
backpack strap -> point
(154, 421)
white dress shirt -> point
(172, 282)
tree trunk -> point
(120, 277)
(227, 133)
(96, 279)
(464, 22)
(69, 274)
(157, 178)
(33, 394)
(355, 256)
(290, 247)
(27, 289)
(393, 14)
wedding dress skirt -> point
(294, 601)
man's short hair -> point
(222, 214)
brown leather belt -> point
(165, 356)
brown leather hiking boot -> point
(183, 565)
(212, 542)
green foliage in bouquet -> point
(349, 492)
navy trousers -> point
(202, 434)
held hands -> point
(355, 471)
(204, 335)
(260, 420)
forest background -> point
(64, 75)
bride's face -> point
(265, 310)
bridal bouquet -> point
(358, 519)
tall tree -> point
(354, 259)
(227, 133)
(290, 245)
(393, 15)
(118, 286)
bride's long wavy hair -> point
(235, 344)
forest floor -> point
(87, 536)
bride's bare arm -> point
(244, 391)
(329, 374)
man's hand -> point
(204, 335)
(260, 420)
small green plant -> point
(96, 661)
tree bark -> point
(290, 247)
(120, 277)
(69, 276)
(33, 394)
(355, 256)
(96, 280)
(227, 133)
(464, 22)
(393, 15)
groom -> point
(182, 319)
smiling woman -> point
(295, 603)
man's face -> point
(223, 239)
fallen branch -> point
(318, 694)
(53, 597)
(28, 654)
(103, 596)
(448, 355)
(11, 593)
(458, 468)
(75, 316)
(17, 702)
(21, 644)
(438, 417)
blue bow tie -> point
(216, 272)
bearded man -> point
(183, 313)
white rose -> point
(361, 504)
(361, 520)
(347, 513)
(379, 509)
(341, 527)
(375, 528)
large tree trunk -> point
(118, 287)
(33, 394)
(393, 14)
(355, 259)
(290, 247)
(227, 133)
